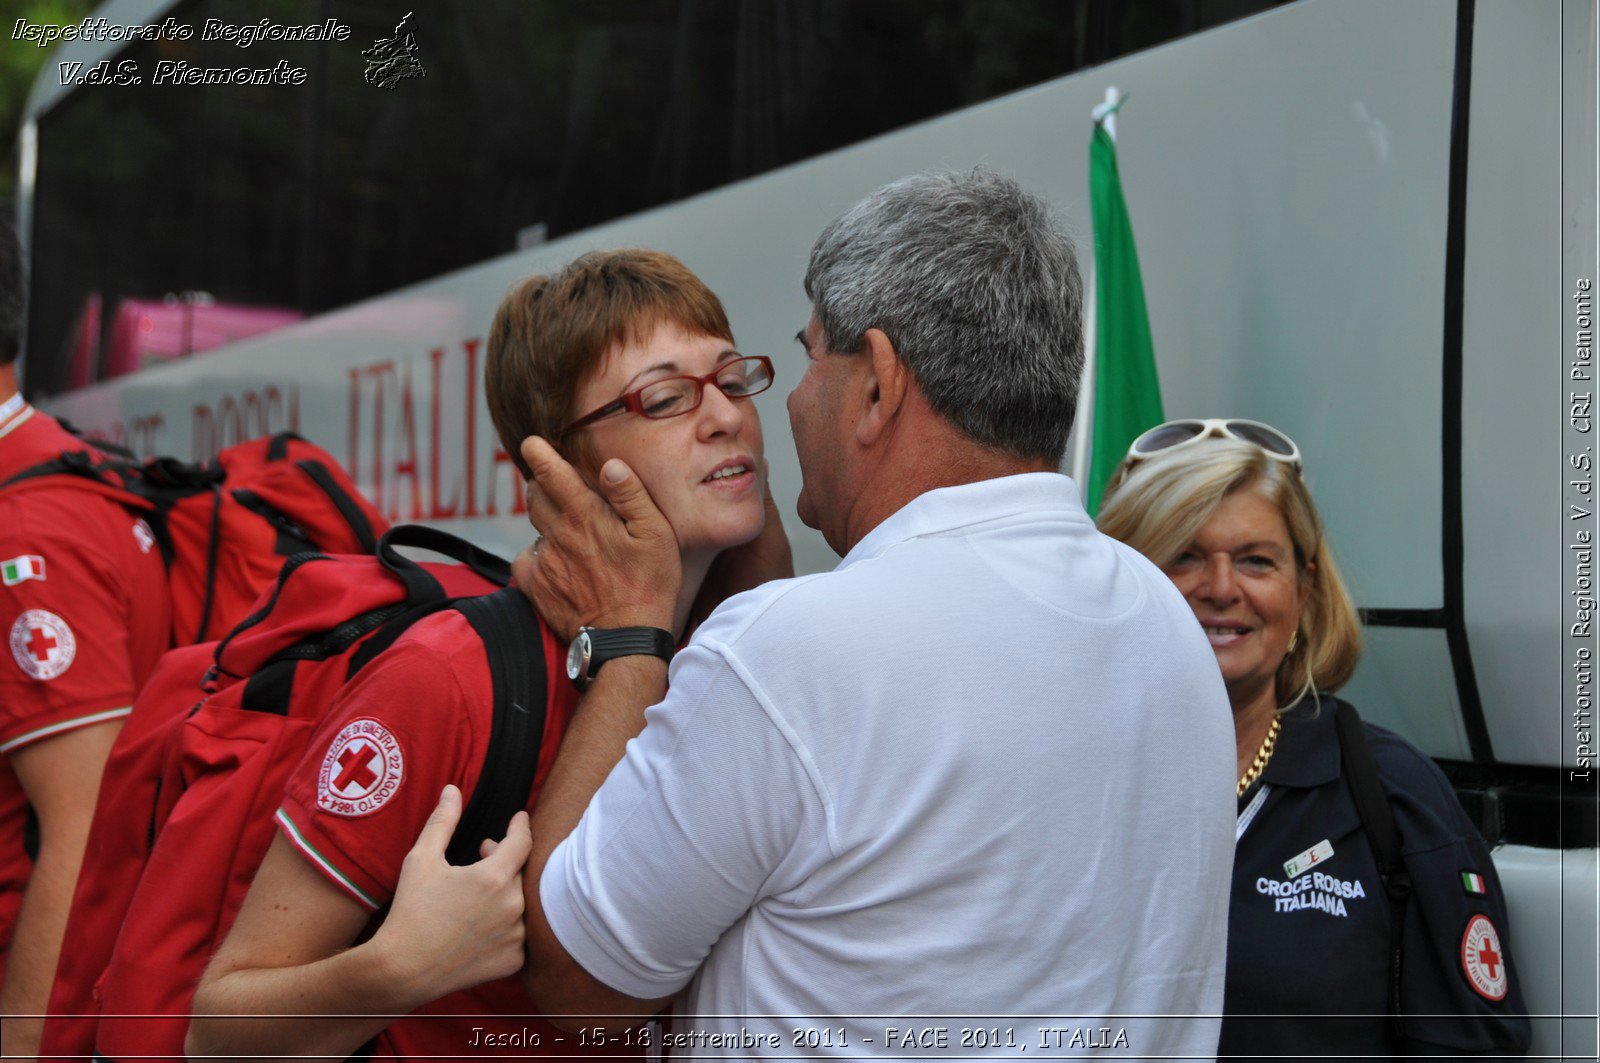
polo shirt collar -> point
(1308, 746)
(947, 509)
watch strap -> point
(610, 643)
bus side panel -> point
(1515, 302)
(1288, 181)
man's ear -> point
(886, 382)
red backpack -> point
(185, 813)
(225, 527)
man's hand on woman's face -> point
(601, 561)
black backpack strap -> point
(180, 479)
(419, 585)
(391, 631)
(114, 471)
(514, 645)
(271, 688)
(278, 445)
(348, 508)
(1377, 821)
(99, 444)
(213, 551)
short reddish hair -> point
(550, 332)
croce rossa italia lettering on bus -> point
(414, 443)
(413, 475)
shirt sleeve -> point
(65, 615)
(710, 810)
(1458, 985)
(374, 767)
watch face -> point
(578, 655)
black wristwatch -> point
(595, 646)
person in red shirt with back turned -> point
(83, 616)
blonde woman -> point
(1324, 910)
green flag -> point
(1127, 395)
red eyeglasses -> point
(678, 395)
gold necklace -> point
(1263, 755)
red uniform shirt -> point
(84, 616)
(416, 718)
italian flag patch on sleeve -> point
(21, 569)
(1473, 882)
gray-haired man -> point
(980, 770)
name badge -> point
(1317, 854)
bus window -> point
(552, 116)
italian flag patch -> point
(1473, 882)
(21, 569)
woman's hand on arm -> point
(452, 928)
(289, 951)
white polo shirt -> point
(980, 775)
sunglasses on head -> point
(1182, 433)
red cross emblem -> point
(1482, 959)
(361, 771)
(357, 762)
(42, 644)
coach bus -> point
(1369, 223)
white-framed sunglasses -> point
(1182, 433)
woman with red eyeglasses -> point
(623, 354)
(1366, 917)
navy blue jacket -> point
(1308, 931)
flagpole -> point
(1083, 420)
(1127, 391)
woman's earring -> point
(1294, 640)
